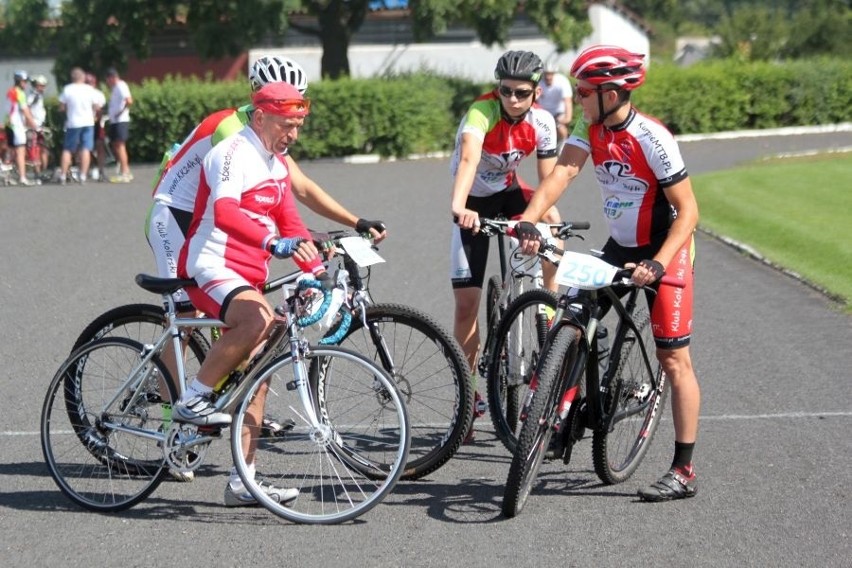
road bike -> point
(425, 361)
(108, 438)
(622, 407)
(516, 338)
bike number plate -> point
(584, 271)
(360, 251)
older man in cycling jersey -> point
(244, 210)
(177, 184)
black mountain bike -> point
(516, 335)
(622, 407)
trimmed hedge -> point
(727, 95)
(419, 113)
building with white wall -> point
(466, 56)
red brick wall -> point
(157, 67)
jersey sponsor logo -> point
(267, 199)
(619, 175)
(658, 147)
(614, 206)
(494, 167)
(183, 171)
(225, 172)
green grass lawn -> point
(796, 212)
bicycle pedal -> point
(213, 430)
(480, 407)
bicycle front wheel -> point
(513, 360)
(107, 455)
(541, 419)
(637, 396)
(344, 465)
(429, 369)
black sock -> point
(683, 456)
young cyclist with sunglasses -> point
(499, 130)
(651, 213)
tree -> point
(565, 22)
(753, 33)
(102, 33)
(23, 33)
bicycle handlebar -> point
(666, 280)
(308, 320)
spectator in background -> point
(36, 102)
(99, 173)
(18, 120)
(555, 98)
(79, 102)
(118, 129)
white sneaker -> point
(245, 499)
(200, 411)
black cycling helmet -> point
(520, 65)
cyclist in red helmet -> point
(651, 214)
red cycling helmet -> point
(610, 65)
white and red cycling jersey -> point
(177, 182)
(244, 201)
(504, 144)
(634, 162)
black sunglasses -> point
(519, 94)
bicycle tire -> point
(111, 470)
(132, 320)
(492, 301)
(140, 322)
(513, 359)
(640, 397)
(430, 370)
(539, 425)
(363, 426)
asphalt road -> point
(774, 454)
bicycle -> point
(39, 143)
(501, 290)
(516, 339)
(424, 360)
(346, 438)
(622, 408)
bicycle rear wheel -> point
(110, 458)
(637, 397)
(348, 464)
(541, 419)
(513, 360)
(143, 323)
(430, 371)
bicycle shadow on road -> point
(152, 509)
(465, 501)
